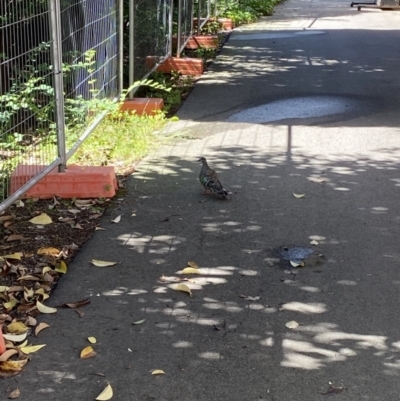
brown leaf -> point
(14, 394)
(333, 390)
(6, 355)
(192, 264)
(80, 313)
(88, 352)
(15, 237)
(221, 327)
(48, 251)
(4, 218)
(41, 326)
(77, 304)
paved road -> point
(304, 102)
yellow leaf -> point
(16, 328)
(298, 196)
(46, 269)
(183, 287)
(117, 219)
(16, 255)
(92, 340)
(48, 251)
(4, 288)
(190, 270)
(61, 268)
(106, 394)
(157, 372)
(45, 309)
(10, 305)
(6, 355)
(15, 393)
(41, 326)
(314, 242)
(192, 264)
(11, 368)
(15, 338)
(103, 263)
(42, 219)
(88, 352)
(24, 344)
(32, 348)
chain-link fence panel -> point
(183, 21)
(59, 58)
(90, 57)
(27, 101)
(150, 34)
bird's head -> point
(202, 159)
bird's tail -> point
(224, 193)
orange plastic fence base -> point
(184, 66)
(225, 23)
(2, 342)
(143, 105)
(205, 41)
(75, 182)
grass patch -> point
(121, 140)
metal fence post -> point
(199, 18)
(170, 25)
(131, 45)
(56, 53)
(121, 48)
(178, 39)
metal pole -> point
(56, 53)
(121, 47)
(131, 45)
(178, 39)
(170, 24)
(199, 18)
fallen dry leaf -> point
(11, 368)
(318, 180)
(77, 304)
(117, 219)
(183, 287)
(106, 394)
(314, 242)
(88, 352)
(16, 328)
(6, 355)
(14, 394)
(16, 255)
(190, 270)
(297, 264)
(49, 251)
(103, 263)
(192, 264)
(4, 218)
(139, 322)
(31, 348)
(43, 219)
(61, 267)
(15, 338)
(15, 237)
(45, 309)
(80, 313)
(299, 196)
(157, 372)
(92, 340)
(41, 326)
(333, 390)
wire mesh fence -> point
(183, 22)
(202, 13)
(43, 43)
(27, 102)
(150, 34)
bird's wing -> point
(212, 181)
